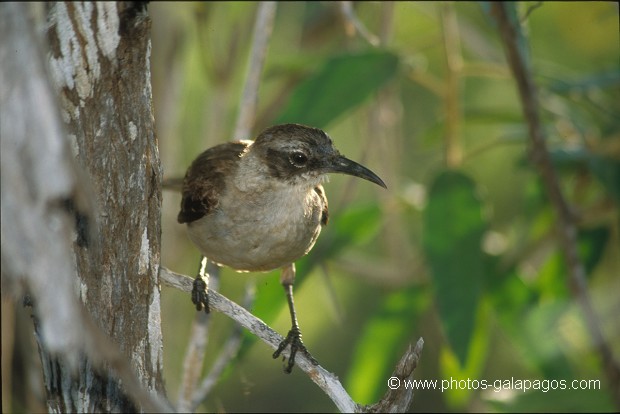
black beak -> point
(344, 165)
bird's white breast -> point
(260, 226)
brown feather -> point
(204, 180)
(324, 213)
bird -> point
(256, 206)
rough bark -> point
(89, 228)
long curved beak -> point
(343, 165)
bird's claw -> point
(200, 295)
(294, 339)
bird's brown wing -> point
(204, 180)
(324, 213)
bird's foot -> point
(200, 294)
(294, 339)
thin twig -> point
(539, 155)
(193, 360)
(249, 101)
(427, 80)
(229, 351)
(353, 24)
(387, 22)
(530, 9)
(197, 344)
(454, 65)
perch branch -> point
(327, 381)
(539, 155)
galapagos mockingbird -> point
(259, 205)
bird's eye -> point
(298, 159)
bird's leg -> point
(294, 335)
(200, 289)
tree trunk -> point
(99, 60)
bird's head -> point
(300, 154)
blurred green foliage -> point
(453, 222)
(311, 105)
(463, 252)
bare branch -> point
(197, 345)
(353, 24)
(229, 351)
(539, 155)
(530, 9)
(327, 381)
(324, 379)
(452, 98)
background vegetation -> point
(462, 248)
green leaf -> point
(541, 335)
(270, 298)
(353, 226)
(607, 170)
(605, 79)
(552, 279)
(511, 299)
(449, 366)
(453, 230)
(592, 244)
(342, 83)
(382, 342)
